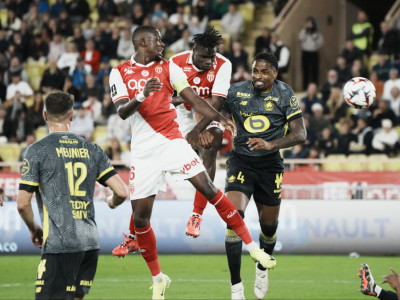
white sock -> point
(158, 278)
(196, 214)
(252, 246)
(377, 290)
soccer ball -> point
(359, 92)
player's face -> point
(263, 74)
(155, 45)
(203, 58)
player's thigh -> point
(239, 199)
(87, 271)
(57, 275)
(268, 186)
(239, 177)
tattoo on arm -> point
(296, 136)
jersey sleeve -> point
(118, 88)
(30, 171)
(105, 169)
(291, 105)
(178, 77)
(222, 80)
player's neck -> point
(143, 59)
(59, 127)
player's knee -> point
(268, 230)
(141, 222)
(241, 213)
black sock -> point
(267, 239)
(233, 247)
(387, 295)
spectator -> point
(118, 128)
(88, 29)
(394, 101)
(393, 81)
(3, 91)
(51, 28)
(336, 107)
(179, 14)
(195, 25)
(138, 14)
(318, 120)
(82, 124)
(332, 81)
(57, 8)
(382, 68)
(104, 87)
(389, 42)
(2, 121)
(311, 136)
(112, 41)
(67, 60)
(57, 47)
(386, 139)
(53, 78)
(238, 56)
(33, 19)
(326, 142)
(107, 9)
(64, 24)
(298, 151)
(232, 22)
(35, 112)
(79, 73)
(105, 70)
(350, 52)
(282, 53)
(17, 85)
(91, 56)
(15, 67)
(382, 111)
(107, 109)
(71, 89)
(263, 41)
(30, 139)
(158, 13)
(241, 74)
(43, 6)
(358, 69)
(345, 136)
(78, 38)
(342, 70)
(364, 135)
(183, 44)
(91, 87)
(311, 97)
(311, 41)
(362, 32)
(13, 22)
(101, 37)
(221, 49)
(21, 40)
(3, 40)
(39, 49)
(373, 77)
(78, 10)
(218, 9)
(125, 46)
(93, 106)
(114, 150)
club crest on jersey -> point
(158, 69)
(210, 76)
(269, 106)
(196, 80)
(145, 73)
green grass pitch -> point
(207, 277)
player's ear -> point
(71, 115)
(45, 116)
(275, 74)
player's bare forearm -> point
(126, 108)
(297, 135)
(120, 192)
(25, 209)
(204, 122)
(199, 105)
(177, 100)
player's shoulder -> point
(123, 65)
(282, 87)
(239, 88)
(181, 56)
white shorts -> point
(187, 121)
(148, 169)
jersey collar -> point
(133, 62)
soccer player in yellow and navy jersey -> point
(62, 170)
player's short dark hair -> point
(210, 39)
(268, 57)
(58, 105)
(140, 30)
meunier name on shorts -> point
(73, 152)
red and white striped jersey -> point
(154, 122)
(215, 81)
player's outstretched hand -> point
(393, 279)
(152, 85)
(37, 237)
(259, 143)
(228, 124)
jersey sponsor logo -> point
(86, 282)
(187, 69)
(128, 71)
(243, 95)
(145, 73)
(187, 167)
(158, 69)
(211, 76)
(269, 106)
(243, 102)
(113, 90)
(257, 123)
(293, 102)
(70, 288)
(25, 167)
(196, 80)
(231, 214)
(202, 91)
(133, 84)
(271, 98)
(67, 140)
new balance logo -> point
(187, 167)
(231, 214)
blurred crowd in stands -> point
(72, 45)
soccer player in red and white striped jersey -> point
(141, 89)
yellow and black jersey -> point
(62, 169)
(260, 115)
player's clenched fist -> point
(152, 85)
(228, 124)
(259, 143)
